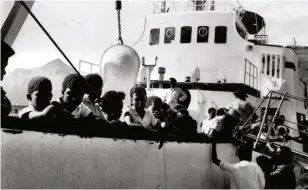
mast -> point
(14, 22)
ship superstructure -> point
(214, 48)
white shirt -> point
(147, 121)
(94, 107)
(215, 123)
(26, 110)
(81, 112)
(175, 94)
(243, 108)
(244, 175)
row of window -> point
(271, 65)
(186, 33)
(251, 74)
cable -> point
(60, 50)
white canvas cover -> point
(274, 84)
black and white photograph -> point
(154, 94)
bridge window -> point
(203, 34)
(273, 65)
(186, 34)
(278, 66)
(154, 36)
(268, 64)
(169, 35)
(290, 65)
(220, 35)
(263, 63)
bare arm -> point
(215, 160)
(48, 111)
(183, 96)
(129, 120)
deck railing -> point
(299, 126)
(189, 5)
(86, 67)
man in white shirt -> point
(244, 174)
(175, 95)
(215, 125)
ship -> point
(212, 49)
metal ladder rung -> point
(297, 155)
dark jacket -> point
(282, 177)
(185, 125)
(5, 104)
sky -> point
(85, 29)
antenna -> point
(294, 42)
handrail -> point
(189, 6)
(295, 123)
(294, 151)
(250, 117)
(295, 129)
(272, 121)
(276, 114)
(263, 121)
(292, 96)
(91, 66)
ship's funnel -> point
(120, 64)
(161, 72)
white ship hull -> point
(36, 160)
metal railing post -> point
(264, 118)
(250, 117)
(276, 113)
(245, 72)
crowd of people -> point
(82, 99)
(275, 172)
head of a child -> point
(264, 163)
(221, 111)
(138, 96)
(156, 104)
(280, 120)
(112, 104)
(164, 108)
(39, 92)
(245, 152)
(96, 83)
(6, 53)
(212, 112)
(283, 156)
(178, 107)
(183, 112)
(73, 90)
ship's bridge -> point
(252, 21)
(210, 38)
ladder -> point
(245, 133)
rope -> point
(57, 46)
